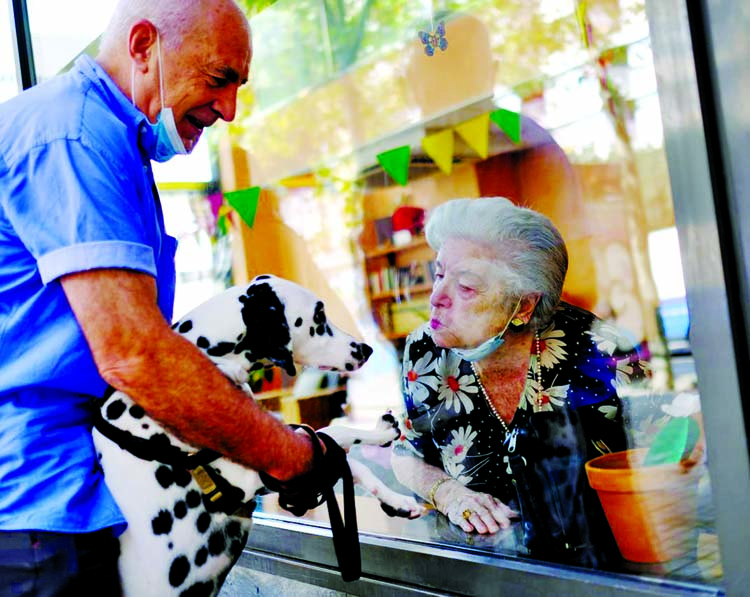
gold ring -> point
(466, 514)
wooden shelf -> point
(417, 243)
(402, 292)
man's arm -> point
(137, 353)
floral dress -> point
(449, 423)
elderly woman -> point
(508, 390)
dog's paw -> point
(236, 370)
(403, 507)
(388, 427)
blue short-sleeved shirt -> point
(76, 193)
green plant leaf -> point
(674, 442)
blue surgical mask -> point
(168, 143)
(487, 347)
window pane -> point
(9, 85)
(591, 157)
(59, 33)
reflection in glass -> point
(591, 158)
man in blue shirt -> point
(87, 283)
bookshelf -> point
(399, 283)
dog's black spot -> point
(179, 571)
(319, 316)
(263, 313)
(203, 522)
(221, 349)
(320, 330)
(175, 324)
(115, 409)
(239, 337)
(164, 476)
(182, 477)
(254, 366)
(159, 442)
(193, 499)
(234, 529)
(298, 322)
(312, 331)
(180, 509)
(145, 426)
(199, 589)
(162, 523)
(349, 367)
(357, 441)
(170, 546)
(329, 331)
(201, 557)
(262, 277)
(217, 543)
(235, 549)
(203, 342)
(137, 412)
(185, 327)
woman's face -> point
(468, 304)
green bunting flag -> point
(509, 122)
(245, 203)
(396, 163)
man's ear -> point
(142, 44)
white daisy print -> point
(417, 381)
(463, 440)
(455, 389)
(552, 347)
(607, 337)
(456, 470)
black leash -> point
(310, 490)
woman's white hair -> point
(527, 243)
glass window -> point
(59, 33)
(578, 79)
(9, 85)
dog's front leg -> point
(386, 431)
(391, 502)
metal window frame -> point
(24, 52)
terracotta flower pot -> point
(650, 509)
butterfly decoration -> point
(434, 39)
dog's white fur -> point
(173, 545)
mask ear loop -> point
(132, 83)
(161, 77)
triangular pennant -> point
(476, 134)
(396, 163)
(509, 122)
(245, 203)
(439, 147)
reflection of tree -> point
(619, 110)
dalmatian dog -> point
(188, 510)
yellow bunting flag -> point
(439, 147)
(508, 122)
(245, 203)
(396, 163)
(476, 134)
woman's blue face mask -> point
(168, 142)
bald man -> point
(87, 284)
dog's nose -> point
(366, 351)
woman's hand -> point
(472, 510)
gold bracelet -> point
(433, 490)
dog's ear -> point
(283, 358)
